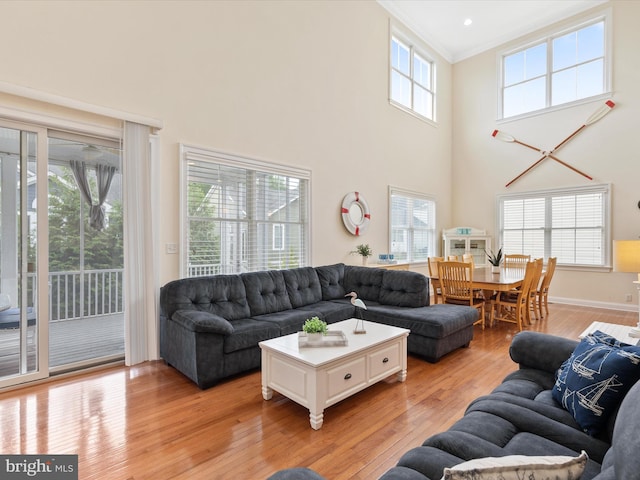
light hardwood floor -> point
(150, 422)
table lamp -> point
(626, 258)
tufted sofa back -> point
(331, 281)
(366, 282)
(266, 292)
(258, 293)
(222, 295)
(404, 289)
(303, 286)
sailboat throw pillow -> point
(592, 382)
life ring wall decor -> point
(355, 213)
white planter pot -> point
(314, 337)
(495, 269)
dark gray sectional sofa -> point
(210, 327)
(521, 417)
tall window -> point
(242, 215)
(412, 217)
(560, 69)
(570, 224)
(412, 81)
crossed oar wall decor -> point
(595, 116)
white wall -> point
(305, 84)
(606, 150)
(298, 83)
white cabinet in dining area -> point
(461, 240)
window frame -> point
(547, 39)
(548, 194)
(409, 232)
(246, 250)
(415, 48)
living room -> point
(305, 85)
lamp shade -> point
(626, 256)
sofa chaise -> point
(529, 414)
(210, 327)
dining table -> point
(506, 278)
(503, 280)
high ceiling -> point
(441, 22)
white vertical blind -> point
(139, 273)
(242, 215)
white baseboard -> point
(627, 307)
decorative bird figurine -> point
(356, 302)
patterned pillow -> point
(592, 382)
(517, 467)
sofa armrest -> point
(199, 321)
(540, 350)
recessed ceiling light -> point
(468, 22)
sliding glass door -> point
(23, 265)
(61, 255)
(86, 263)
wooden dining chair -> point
(468, 258)
(456, 283)
(542, 293)
(533, 290)
(453, 258)
(516, 260)
(435, 282)
(513, 306)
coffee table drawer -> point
(385, 362)
(344, 378)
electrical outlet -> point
(173, 248)
(627, 297)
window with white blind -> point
(570, 224)
(242, 215)
(412, 235)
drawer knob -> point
(385, 359)
(347, 376)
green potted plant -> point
(315, 329)
(494, 260)
(364, 250)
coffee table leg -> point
(267, 392)
(316, 419)
(402, 375)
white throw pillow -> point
(517, 467)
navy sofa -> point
(521, 417)
(210, 327)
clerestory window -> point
(412, 79)
(566, 67)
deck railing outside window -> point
(75, 294)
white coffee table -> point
(619, 332)
(318, 377)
